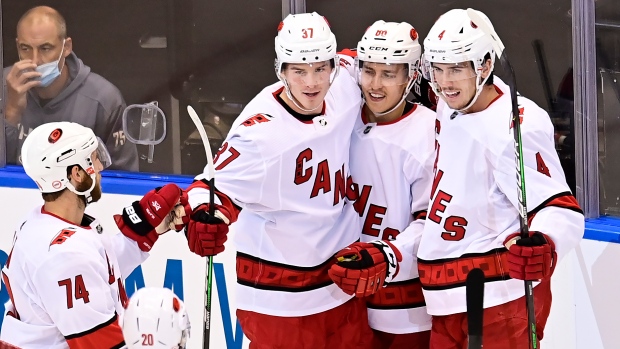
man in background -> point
(50, 83)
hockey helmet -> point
(155, 318)
(52, 147)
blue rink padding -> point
(604, 228)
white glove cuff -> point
(390, 259)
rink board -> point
(584, 285)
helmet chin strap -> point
(86, 193)
(479, 87)
(294, 100)
(405, 94)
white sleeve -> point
(127, 253)
(408, 240)
(239, 173)
(74, 290)
(548, 197)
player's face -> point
(457, 83)
(40, 41)
(309, 83)
(383, 85)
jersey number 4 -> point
(80, 290)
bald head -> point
(42, 16)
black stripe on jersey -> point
(461, 284)
(546, 204)
(100, 326)
(282, 265)
(467, 255)
(419, 215)
(284, 289)
(119, 346)
(394, 307)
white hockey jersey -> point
(291, 179)
(65, 284)
(392, 164)
(474, 201)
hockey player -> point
(63, 276)
(155, 318)
(392, 154)
(282, 175)
(472, 219)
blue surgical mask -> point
(49, 71)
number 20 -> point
(147, 339)
(307, 33)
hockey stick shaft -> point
(206, 329)
(516, 123)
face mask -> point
(49, 71)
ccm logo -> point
(376, 48)
(381, 33)
(133, 216)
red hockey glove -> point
(140, 220)
(206, 234)
(531, 258)
(364, 267)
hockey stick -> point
(516, 123)
(206, 329)
(474, 294)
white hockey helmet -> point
(454, 38)
(155, 318)
(50, 148)
(304, 38)
(390, 43)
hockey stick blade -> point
(206, 328)
(205, 140)
(474, 294)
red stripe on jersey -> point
(266, 275)
(62, 219)
(5, 345)
(398, 295)
(449, 273)
(226, 201)
(8, 287)
(7, 284)
(348, 52)
(562, 200)
(499, 94)
(105, 335)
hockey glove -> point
(206, 234)
(141, 221)
(364, 267)
(532, 258)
